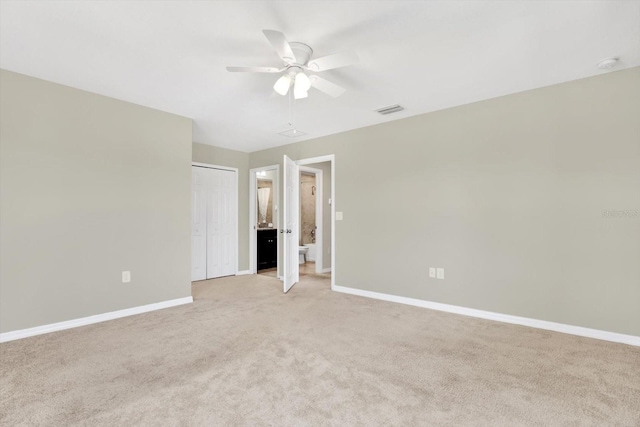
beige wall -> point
(530, 202)
(509, 195)
(234, 159)
(91, 186)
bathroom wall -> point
(307, 208)
(325, 167)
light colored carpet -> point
(245, 354)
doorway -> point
(291, 219)
(311, 224)
(264, 221)
(214, 216)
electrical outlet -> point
(339, 216)
(440, 273)
(126, 277)
(432, 272)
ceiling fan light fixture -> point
(301, 86)
(299, 94)
(282, 85)
(302, 82)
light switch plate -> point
(432, 272)
(126, 277)
(338, 216)
(440, 273)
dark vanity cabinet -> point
(267, 248)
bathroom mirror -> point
(265, 209)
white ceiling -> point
(426, 56)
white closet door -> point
(221, 223)
(198, 225)
(214, 226)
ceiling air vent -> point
(390, 109)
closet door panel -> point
(221, 223)
(198, 226)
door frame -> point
(253, 214)
(321, 159)
(319, 215)
(236, 204)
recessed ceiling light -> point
(607, 64)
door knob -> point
(282, 231)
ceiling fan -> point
(297, 59)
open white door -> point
(290, 230)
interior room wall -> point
(234, 159)
(91, 186)
(529, 202)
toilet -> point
(302, 252)
(311, 255)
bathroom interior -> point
(267, 237)
(308, 227)
(310, 223)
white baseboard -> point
(243, 273)
(83, 321)
(506, 318)
(326, 270)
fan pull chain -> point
(292, 111)
(290, 115)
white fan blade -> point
(336, 60)
(254, 69)
(280, 44)
(326, 86)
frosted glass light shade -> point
(302, 82)
(282, 85)
(300, 86)
(299, 94)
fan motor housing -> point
(302, 52)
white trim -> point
(243, 273)
(319, 215)
(253, 215)
(83, 321)
(326, 270)
(210, 166)
(237, 197)
(506, 318)
(329, 158)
